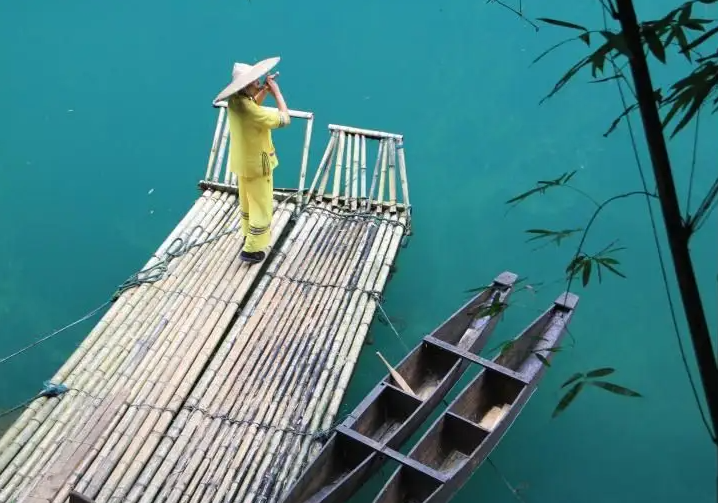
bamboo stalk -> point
(369, 133)
(382, 147)
(382, 179)
(305, 157)
(348, 169)
(392, 176)
(402, 173)
(222, 147)
(355, 172)
(42, 428)
(363, 170)
(215, 141)
(338, 169)
(228, 172)
(323, 164)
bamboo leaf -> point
(694, 25)
(604, 79)
(477, 289)
(586, 37)
(615, 123)
(565, 24)
(542, 359)
(615, 388)
(683, 42)
(686, 12)
(556, 236)
(568, 398)
(604, 371)
(586, 272)
(654, 44)
(576, 376)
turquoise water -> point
(101, 103)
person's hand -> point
(271, 83)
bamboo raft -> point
(212, 380)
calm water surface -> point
(102, 102)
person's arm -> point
(281, 104)
(264, 117)
(263, 92)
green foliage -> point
(583, 263)
(582, 380)
(687, 95)
(543, 186)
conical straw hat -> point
(243, 75)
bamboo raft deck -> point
(216, 381)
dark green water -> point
(102, 102)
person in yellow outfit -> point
(251, 154)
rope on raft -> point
(49, 390)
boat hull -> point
(389, 415)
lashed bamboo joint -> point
(211, 380)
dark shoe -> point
(252, 257)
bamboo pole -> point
(305, 157)
(80, 382)
(369, 133)
(363, 170)
(228, 171)
(215, 141)
(338, 170)
(402, 173)
(93, 390)
(392, 176)
(355, 172)
(220, 156)
(382, 179)
(348, 169)
(380, 152)
(323, 164)
(325, 176)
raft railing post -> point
(305, 159)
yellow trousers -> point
(255, 210)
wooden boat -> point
(466, 433)
(389, 415)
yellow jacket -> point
(251, 149)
